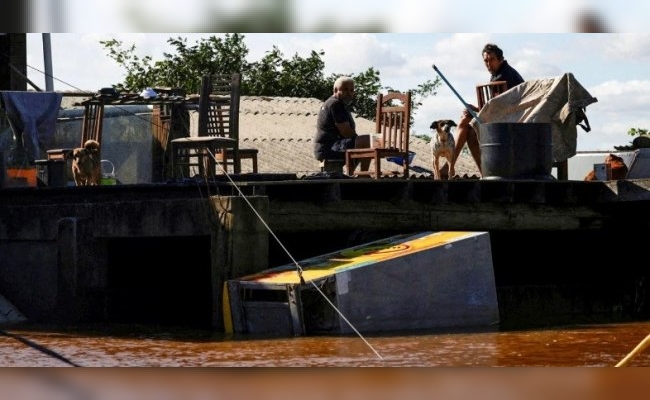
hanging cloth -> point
(32, 116)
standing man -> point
(500, 70)
(335, 128)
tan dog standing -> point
(86, 166)
(442, 145)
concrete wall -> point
(58, 244)
(55, 259)
(582, 163)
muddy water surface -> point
(145, 346)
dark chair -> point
(91, 128)
(218, 130)
(226, 158)
(224, 85)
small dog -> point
(86, 166)
(619, 169)
(443, 145)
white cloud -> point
(627, 45)
(345, 52)
(621, 105)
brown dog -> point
(619, 169)
(86, 166)
(443, 145)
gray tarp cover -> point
(562, 101)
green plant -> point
(272, 75)
(635, 132)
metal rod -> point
(467, 106)
(16, 70)
(47, 62)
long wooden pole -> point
(467, 106)
(637, 350)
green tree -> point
(637, 132)
(272, 75)
(642, 139)
(182, 69)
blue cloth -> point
(33, 116)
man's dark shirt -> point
(508, 74)
(332, 111)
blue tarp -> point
(33, 118)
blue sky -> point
(613, 67)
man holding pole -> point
(500, 70)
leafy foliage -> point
(184, 68)
(272, 75)
(425, 138)
(637, 132)
(641, 136)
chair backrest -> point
(219, 105)
(489, 90)
(93, 122)
(393, 120)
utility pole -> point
(13, 51)
(47, 61)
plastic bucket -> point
(22, 176)
(108, 173)
(515, 150)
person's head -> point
(492, 57)
(344, 89)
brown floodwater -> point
(145, 346)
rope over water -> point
(637, 350)
(39, 347)
(299, 269)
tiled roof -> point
(284, 117)
(287, 154)
(282, 129)
(279, 105)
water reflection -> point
(589, 345)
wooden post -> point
(13, 68)
(240, 244)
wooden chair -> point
(226, 158)
(393, 124)
(230, 85)
(485, 92)
(91, 128)
(218, 129)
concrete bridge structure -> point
(563, 251)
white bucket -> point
(108, 173)
(603, 171)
